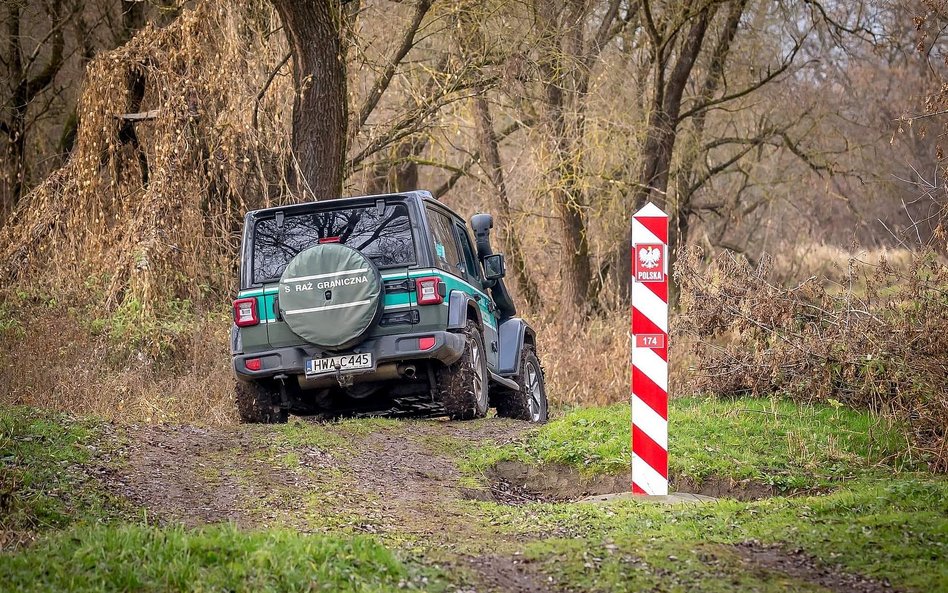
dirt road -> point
(397, 480)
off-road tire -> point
(456, 383)
(516, 404)
(257, 403)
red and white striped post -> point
(650, 351)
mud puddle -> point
(513, 482)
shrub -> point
(879, 341)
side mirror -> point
(494, 267)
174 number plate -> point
(343, 364)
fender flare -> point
(512, 334)
(458, 305)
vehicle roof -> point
(418, 195)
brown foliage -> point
(55, 356)
(159, 198)
(879, 341)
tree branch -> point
(384, 79)
(266, 86)
(46, 75)
(473, 159)
(412, 121)
(771, 75)
(723, 166)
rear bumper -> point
(447, 349)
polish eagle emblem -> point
(649, 257)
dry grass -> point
(53, 357)
(881, 343)
(174, 236)
(585, 364)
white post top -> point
(650, 210)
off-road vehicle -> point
(379, 303)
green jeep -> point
(378, 303)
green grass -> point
(787, 445)
(884, 518)
(334, 436)
(218, 558)
(895, 529)
(44, 459)
(309, 434)
(84, 539)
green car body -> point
(408, 237)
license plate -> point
(343, 364)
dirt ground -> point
(398, 480)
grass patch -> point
(302, 434)
(776, 442)
(332, 436)
(895, 530)
(44, 481)
(364, 426)
(218, 558)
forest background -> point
(795, 145)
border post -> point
(649, 351)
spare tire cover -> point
(331, 295)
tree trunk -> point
(679, 231)
(565, 81)
(663, 120)
(487, 139)
(400, 172)
(661, 137)
(320, 110)
(25, 89)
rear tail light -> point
(428, 292)
(329, 240)
(253, 364)
(426, 343)
(245, 312)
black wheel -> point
(462, 386)
(258, 403)
(528, 402)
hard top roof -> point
(290, 209)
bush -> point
(879, 341)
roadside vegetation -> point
(216, 558)
(847, 492)
(847, 502)
(809, 324)
(776, 442)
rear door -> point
(381, 230)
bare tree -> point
(320, 106)
(28, 77)
(566, 54)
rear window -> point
(383, 235)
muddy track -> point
(798, 564)
(196, 475)
(400, 482)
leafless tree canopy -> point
(754, 124)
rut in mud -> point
(390, 477)
(402, 481)
(399, 479)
